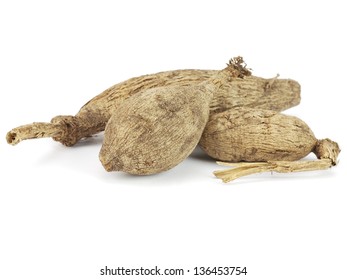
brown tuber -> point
(246, 134)
(158, 128)
(155, 130)
(275, 94)
(265, 141)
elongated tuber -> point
(246, 134)
(158, 128)
(275, 94)
(254, 141)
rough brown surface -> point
(275, 94)
(246, 134)
(326, 150)
(156, 129)
(247, 168)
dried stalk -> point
(32, 131)
(244, 169)
(326, 150)
(65, 129)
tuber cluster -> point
(153, 122)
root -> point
(64, 129)
(326, 150)
(244, 169)
(238, 67)
(32, 131)
(270, 82)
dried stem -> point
(238, 67)
(326, 150)
(244, 169)
(64, 129)
(271, 82)
(32, 131)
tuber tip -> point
(327, 149)
(12, 139)
(109, 163)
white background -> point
(63, 217)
